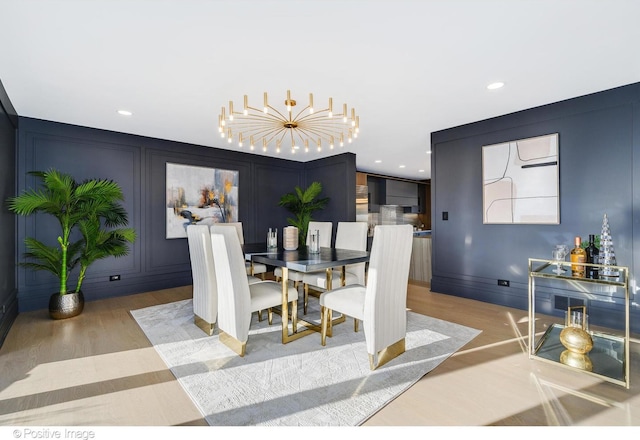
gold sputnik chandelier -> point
(272, 129)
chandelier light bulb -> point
(311, 103)
(231, 110)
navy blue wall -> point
(8, 293)
(138, 164)
(599, 170)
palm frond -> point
(302, 203)
(87, 206)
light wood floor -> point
(98, 369)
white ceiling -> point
(408, 67)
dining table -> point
(303, 260)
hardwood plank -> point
(99, 369)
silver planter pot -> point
(66, 306)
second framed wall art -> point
(520, 181)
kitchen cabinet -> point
(424, 198)
(376, 193)
(389, 191)
(402, 193)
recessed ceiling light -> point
(124, 112)
(429, 152)
(421, 171)
(378, 161)
(402, 166)
(495, 85)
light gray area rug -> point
(296, 384)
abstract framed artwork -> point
(199, 195)
(520, 181)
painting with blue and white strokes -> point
(199, 195)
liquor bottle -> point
(593, 257)
(578, 255)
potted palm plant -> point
(91, 221)
(303, 203)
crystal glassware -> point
(314, 242)
(272, 238)
(559, 254)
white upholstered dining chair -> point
(349, 235)
(237, 299)
(252, 269)
(205, 289)
(326, 234)
(381, 305)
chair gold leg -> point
(355, 325)
(240, 348)
(259, 315)
(294, 315)
(203, 325)
(270, 315)
(324, 322)
(306, 298)
(387, 354)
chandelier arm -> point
(258, 116)
(273, 134)
(263, 133)
(293, 141)
(284, 118)
(321, 115)
(325, 125)
(325, 128)
(324, 135)
(298, 117)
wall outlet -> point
(445, 215)
(504, 283)
(114, 278)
